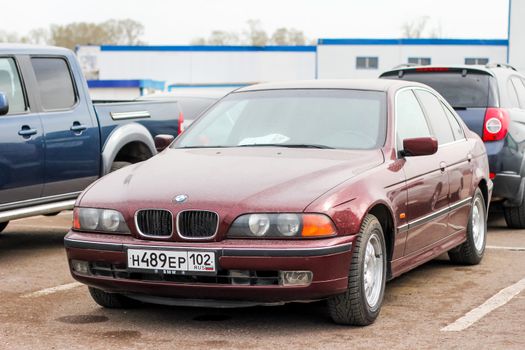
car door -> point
(21, 140)
(426, 178)
(454, 153)
(72, 149)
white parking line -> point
(519, 249)
(52, 290)
(499, 299)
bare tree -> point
(9, 37)
(113, 32)
(285, 36)
(420, 28)
(123, 32)
(255, 35)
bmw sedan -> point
(286, 192)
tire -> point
(3, 225)
(354, 307)
(515, 216)
(472, 250)
(118, 165)
(111, 300)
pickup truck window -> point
(56, 88)
(11, 86)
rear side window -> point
(55, 85)
(513, 97)
(471, 90)
(520, 90)
(11, 86)
(410, 119)
(457, 130)
(436, 116)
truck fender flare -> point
(120, 137)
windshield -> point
(344, 119)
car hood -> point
(248, 179)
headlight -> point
(286, 225)
(99, 220)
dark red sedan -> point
(288, 192)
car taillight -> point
(432, 69)
(496, 124)
(181, 124)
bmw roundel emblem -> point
(181, 198)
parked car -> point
(287, 192)
(491, 101)
(54, 141)
(193, 101)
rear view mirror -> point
(163, 141)
(420, 146)
(4, 104)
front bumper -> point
(328, 260)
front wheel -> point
(472, 250)
(3, 225)
(361, 303)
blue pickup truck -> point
(54, 141)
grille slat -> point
(197, 224)
(155, 222)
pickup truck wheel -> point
(118, 165)
(111, 300)
(515, 216)
(471, 251)
(3, 225)
(361, 303)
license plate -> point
(171, 261)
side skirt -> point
(407, 263)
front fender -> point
(120, 137)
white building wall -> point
(517, 34)
(339, 61)
(198, 67)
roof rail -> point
(405, 65)
(500, 65)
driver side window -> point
(410, 120)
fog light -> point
(79, 266)
(295, 278)
(240, 277)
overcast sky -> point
(179, 21)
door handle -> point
(77, 128)
(469, 157)
(26, 131)
(442, 166)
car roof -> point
(349, 84)
(32, 49)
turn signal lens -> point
(317, 225)
(76, 219)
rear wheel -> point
(361, 303)
(515, 216)
(3, 225)
(111, 300)
(472, 250)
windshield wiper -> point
(287, 145)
